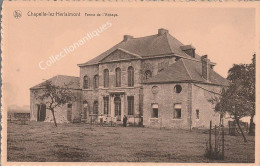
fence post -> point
(223, 142)
(215, 138)
(229, 127)
(91, 120)
(210, 147)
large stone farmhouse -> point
(154, 80)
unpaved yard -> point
(39, 141)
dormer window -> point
(189, 49)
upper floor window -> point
(177, 88)
(106, 78)
(148, 74)
(118, 77)
(85, 82)
(96, 81)
(69, 105)
(130, 72)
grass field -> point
(80, 142)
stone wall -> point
(191, 98)
(201, 94)
(136, 64)
(89, 71)
(60, 112)
(165, 97)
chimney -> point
(127, 37)
(205, 67)
(162, 31)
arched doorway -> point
(117, 102)
(85, 110)
(41, 112)
(69, 112)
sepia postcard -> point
(130, 82)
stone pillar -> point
(112, 103)
(122, 106)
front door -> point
(118, 108)
(41, 112)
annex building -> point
(155, 80)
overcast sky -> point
(227, 35)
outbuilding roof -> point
(61, 80)
(187, 71)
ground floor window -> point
(106, 104)
(155, 110)
(130, 102)
(95, 107)
(197, 114)
(177, 111)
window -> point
(106, 78)
(69, 112)
(95, 107)
(85, 82)
(130, 101)
(197, 114)
(96, 81)
(154, 110)
(118, 77)
(106, 105)
(177, 111)
(148, 74)
(177, 88)
(69, 105)
(130, 72)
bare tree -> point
(54, 96)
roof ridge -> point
(186, 69)
(167, 34)
(121, 49)
(112, 49)
(144, 36)
(66, 75)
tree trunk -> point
(52, 111)
(237, 120)
(251, 125)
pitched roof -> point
(187, 71)
(148, 46)
(60, 80)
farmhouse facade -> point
(154, 80)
